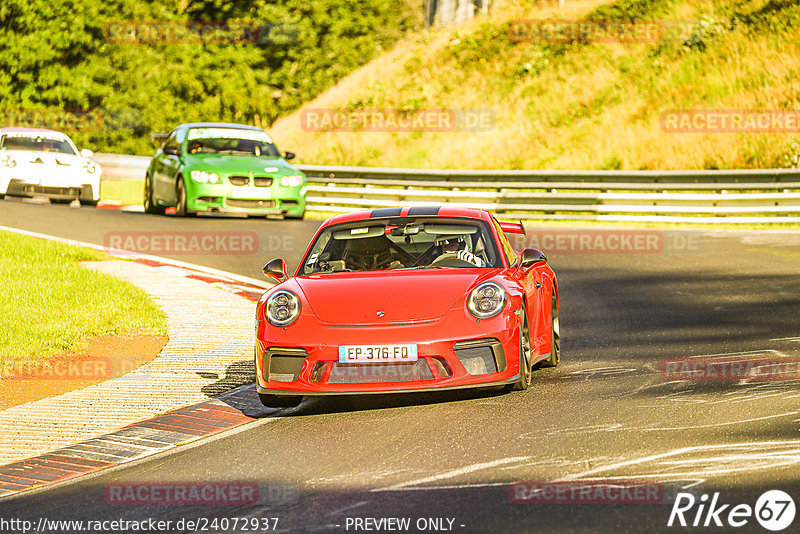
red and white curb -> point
(155, 433)
(145, 438)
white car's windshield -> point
(37, 144)
(404, 243)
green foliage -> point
(765, 16)
(612, 163)
(791, 157)
(58, 54)
(631, 10)
(487, 41)
(704, 31)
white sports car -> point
(36, 162)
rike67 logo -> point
(774, 510)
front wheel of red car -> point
(524, 353)
(555, 347)
(280, 401)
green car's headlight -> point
(203, 177)
(282, 308)
(486, 300)
(295, 180)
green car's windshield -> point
(231, 141)
(404, 243)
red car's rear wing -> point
(513, 227)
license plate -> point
(377, 353)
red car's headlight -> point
(486, 300)
(282, 308)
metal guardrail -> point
(731, 196)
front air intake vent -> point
(481, 356)
(283, 364)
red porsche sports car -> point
(406, 299)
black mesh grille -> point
(58, 191)
(354, 373)
(239, 180)
(249, 203)
(262, 181)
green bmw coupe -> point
(225, 168)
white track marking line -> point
(675, 452)
(455, 472)
(735, 355)
(744, 398)
(650, 429)
(452, 486)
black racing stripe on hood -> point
(385, 212)
(424, 210)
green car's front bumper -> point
(248, 199)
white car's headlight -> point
(7, 161)
(295, 180)
(282, 308)
(203, 177)
(89, 166)
(486, 300)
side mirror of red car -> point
(531, 257)
(276, 269)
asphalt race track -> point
(446, 462)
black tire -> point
(89, 203)
(555, 347)
(180, 208)
(525, 368)
(280, 401)
(295, 217)
(149, 205)
(62, 200)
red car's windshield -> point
(404, 243)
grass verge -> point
(51, 304)
(128, 192)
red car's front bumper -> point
(455, 351)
